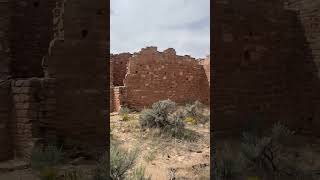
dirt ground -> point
(165, 157)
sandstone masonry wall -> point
(33, 109)
(118, 98)
(30, 35)
(262, 67)
(120, 64)
(154, 76)
(79, 66)
(206, 66)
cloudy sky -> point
(180, 24)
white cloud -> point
(180, 24)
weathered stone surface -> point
(150, 76)
(78, 64)
(68, 100)
(264, 64)
(119, 67)
(32, 109)
(30, 34)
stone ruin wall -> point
(118, 98)
(263, 67)
(153, 76)
(31, 30)
(120, 64)
(206, 66)
(79, 66)
(118, 71)
(42, 109)
(33, 109)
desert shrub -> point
(120, 162)
(267, 154)
(124, 110)
(158, 116)
(146, 119)
(48, 173)
(50, 156)
(176, 129)
(193, 110)
(139, 174)
(163, 116)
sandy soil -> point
(163, 156)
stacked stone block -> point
(79, 66)
(153, 76)
(120, 64)
(34, 106)
(263, 68)
(119, 96)
(31, 30)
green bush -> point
(193, 110)
(50, 156)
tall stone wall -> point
(33, 108)
(154, 76)
(30, 35)
(263, 68)
(79, 66)
(120, 64)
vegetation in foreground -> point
(165, 116)
(261, 156)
